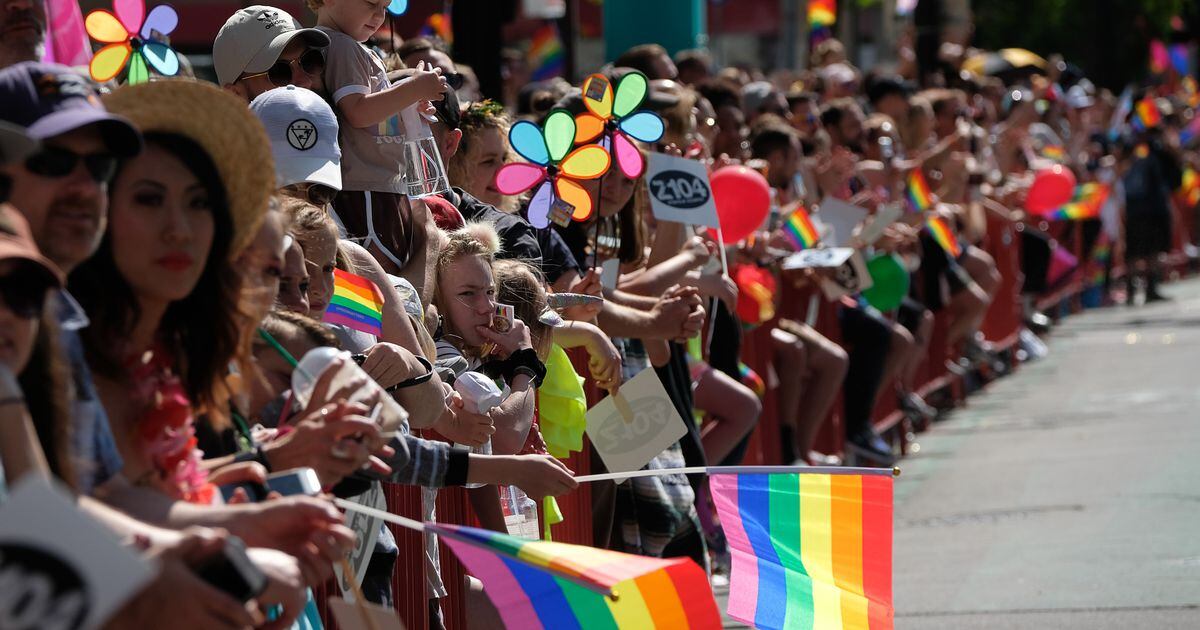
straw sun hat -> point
(223, 126)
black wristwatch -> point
(524, 361)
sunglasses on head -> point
(318, 195)
(59, 162)
(279, 74)
(23, 292)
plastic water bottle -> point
(479, 395)
(423, 170)
(312, 364)
(520, 513)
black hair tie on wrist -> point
(416, 380)
(524, 361)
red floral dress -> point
(166, 428)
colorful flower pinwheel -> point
(553, 167)
(397, 7)
(127, 37)
(615, 118)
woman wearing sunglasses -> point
(162, 290)
(34, 414)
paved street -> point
(1066, 495)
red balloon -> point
(1052, 187)
(743, 199)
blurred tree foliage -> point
(1108, 39)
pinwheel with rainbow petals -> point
(611, 114)
(132, 41)
(555, 166)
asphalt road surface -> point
(1068, 494)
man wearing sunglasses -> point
(62, 191)
(261, 48)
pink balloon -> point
(743, 199)
(1052, 187)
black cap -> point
(447, 110)
(885, 86)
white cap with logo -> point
(303, 131)
(252, 39)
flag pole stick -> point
(750, 470)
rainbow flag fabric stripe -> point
(941, 232)
(1146, 115)
(1085, 204)
(356, 303)
(822, 13)
(920, 197)
(1190, 188)
(546, 53)
(800, 230)
(540, 584)
(809, 550)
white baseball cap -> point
(303, 131)
(252, 39)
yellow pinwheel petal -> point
(587, 162)
(109, 61)
(598, 96)
(573, 193)
(104, 27)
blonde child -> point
(373, 204)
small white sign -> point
(366, 529)
(826, 257)
(59, 568)
(841, 218)
(629, 429)
(849, 278)
(365, 616)
(680, 191)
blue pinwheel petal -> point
(397, 7)
(161, 21)
(645, 126)
(527, 139)
(161, 58)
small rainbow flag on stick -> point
(920, 197)
(1146, 115)
(1085, 204)
(537, 584)
(357, 303)
(809, 550)
(941, 232)
(801, 231)
(546, 53)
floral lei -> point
(166, 428)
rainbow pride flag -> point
(546, 53)
(1181, 59)
(438, 25)
(357, 303)
(822, 13)
(1053, 152)
(751, 379)
(800, 231)
(809, 550)
(1085, 204)
(941, 232)
(540, 584)
(1160, 59)
(1190, 188)
(920, 197)
(1146, 115)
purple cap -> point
(49, 100)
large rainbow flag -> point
(1085, 204)
(356, 303)
(539, 584)
(809, 550)
(822, 13)
(546, 53)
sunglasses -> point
(318, 195)
(58, 162)
(280, 74)
(454, 79)
(23, 293)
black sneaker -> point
(868, 444)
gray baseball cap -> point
(252, 39)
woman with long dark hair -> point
(162, 291)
